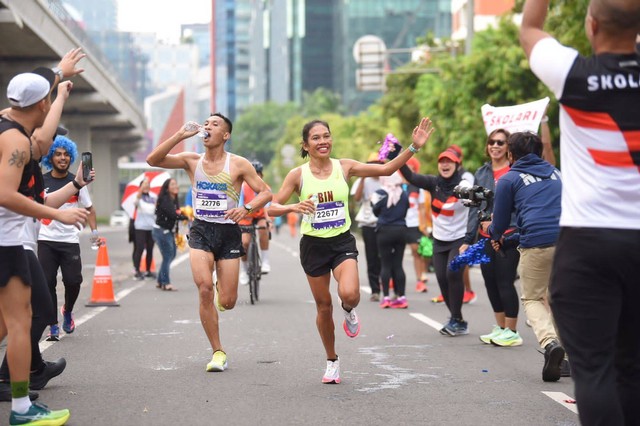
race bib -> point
(211, 205)
(329, 215)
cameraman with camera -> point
(532, 190)
(500, 273)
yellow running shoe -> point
(218, 361)
(39, 414)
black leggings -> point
(144, 241)
(373, 258)
(450, 282)
(499, 275)
(391, 244)
(42, 314)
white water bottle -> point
(191, 126)
(309, 217)
(95, 240)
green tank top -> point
(332, 212)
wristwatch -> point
(58, 71)
(248, 208)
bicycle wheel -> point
(252, 271)
(258, 263)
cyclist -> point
(260, 218)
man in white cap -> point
(29, 95)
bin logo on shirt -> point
(324, 197)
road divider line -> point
(563, 399)
(285, 248)
(93, 312)
(179, 260)
(425, 319)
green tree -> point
(257, 131)
(321, 101)
(496, 72)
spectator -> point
(30, 97)
(531, 189)
(390, 204)
(362, 191)
(59, 244)
(144, 221)
(594, 286)
(413, 233)
(167, 215)
(449, 226)
(500, 273)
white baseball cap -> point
(27, 89)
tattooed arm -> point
(14, 156)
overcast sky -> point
(136, 15)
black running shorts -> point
(222, 239)
(319, 256)
(14, 263)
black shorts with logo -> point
(224, 240)
(14, 263)
(319, 256)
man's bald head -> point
(620, 18)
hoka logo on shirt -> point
(211, 186)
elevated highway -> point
(100, 115)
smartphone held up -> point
(87, 165)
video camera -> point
(474, 197)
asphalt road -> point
(143, 363)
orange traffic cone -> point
(143, 263)
(102, 291)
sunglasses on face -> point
(492, 142)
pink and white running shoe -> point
(332, 373)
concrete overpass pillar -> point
(105, 193)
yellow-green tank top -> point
(332, 212)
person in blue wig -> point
(59, 244)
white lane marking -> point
(179, 260)
(366, 289)
(425, 319)
(561, 399)
(289, 250)
(44, 345)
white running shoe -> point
(332, 373)
(351, 324)
(244, 278)
(266, 267)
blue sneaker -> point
(68, 324)
(54, 333)
(455, 327)
(39, 414)
(446, 326)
